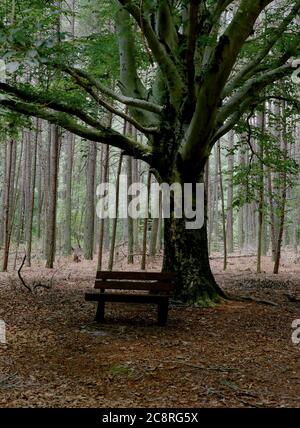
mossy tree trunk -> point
(186, 253)
(186, 250)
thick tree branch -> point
(91, 90)
(252, 86)
(55, 104)
(271, 41)
(165, 26)
(168, 68)
(191, 44)
(44, 100)
(101, 134)
(130, 82)
(250, 97)
(233, 39)
(129, 101)
(209, 95)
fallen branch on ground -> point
(201, 367)
(20, 276)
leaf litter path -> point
(236, 354)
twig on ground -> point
(40, 285)
(200, 367)
(20, 276)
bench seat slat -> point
(133, 285)
(134, 298)
(143, 276)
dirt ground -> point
(238, 354)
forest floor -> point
(235, 354)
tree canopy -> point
(202, 63)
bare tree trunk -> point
(229, 222)
(144, 251)
(32, 191)
(282, 202)
(241, 224)
(69, 155)
(8, 182)
(214, 220)
(27, 184)
(274, 190)
(115, 221)
(3, 193)
(261, 193)
(17, 202)
(130, 257)
(223, 206)
(207, 189)
(89, 221)
(104, 179)
(51, 221)
(155, 227)
(135, 179)
(272, 215)
(40, 190)
(160, 226)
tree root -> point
(251, 299)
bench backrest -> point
(148, 281)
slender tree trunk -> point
(130, 257)
(261, 194)
(104, 179)
(40, 190)
(69, 155)
(18, 193)
(27, 184)
(89, 221)
(229, 222)
(115, 220)
(8, 182)
(274, 188)
(241, 224)
(155, 228)
(51, 223)
(160, 226)
(208, 191)
(3, 194)
(136, 179)
(223, 207)
(272, 215)
(283, 195)
(21, 202)
(145, 230)
(32, 192)
(214, 220)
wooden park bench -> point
(152, 287)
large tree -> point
(209, 62)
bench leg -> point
(100, 312)
(162, 313)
